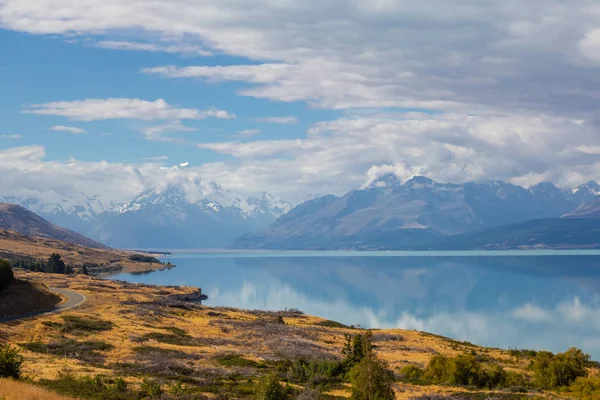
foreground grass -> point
(137, 332)
(11, 390)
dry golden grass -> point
(13, 244)
(142, 315)
(11, 390)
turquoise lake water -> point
(521, 299)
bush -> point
(467, 370)
(411, 373)
(371, 379)
(315, 373)
(89, 388)
(269, 388)
(151, 388)
(6, 275)
(10, 362)
(235, 360)
(81, 324)
(553, 371)
(586, 388)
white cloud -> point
(190, 50)
(515, 83)
(532, 313)
(156, 158)
(158, 133)
(278, 120)
(339, 155)
(71, 129)
(4, 136)
(246, 133)
(476, 56)
(123, 108)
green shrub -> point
(74, 324)
(371, 379)
(87, 350)
(235, 360)
(554, 371)
(10, 362)
(6, 275)
(151, 388)
(411, 373)
(467, 370)
(89, 388)
(586, 388)
(315, 373)
(269, 388)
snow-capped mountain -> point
(390, 214)
(193, 214)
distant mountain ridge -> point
(16, 218)
(191, 214)
(390, 214)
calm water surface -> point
(540, 300)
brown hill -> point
(15, 245)
(25, 297)
(19, 219)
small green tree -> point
(356, 347)
(6, 275)
(269, 388)
(55, 264)
(371, 380)
(10, 362)
(553, 371)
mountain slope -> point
(550, 233)
(388, 214)
(19, 219)
(588, 210)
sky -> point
(108, 98)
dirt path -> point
(74, 299)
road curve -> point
(74, 299)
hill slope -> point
(25, 297)
(19, 219)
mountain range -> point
(385, 214)
(194, 215)
(424, 214)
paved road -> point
(74, 299)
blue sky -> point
(44, 69)
(117, 93)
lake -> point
(536, 299)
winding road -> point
(74, 299)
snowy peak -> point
(591, 187)
(210, 198)
(389, 181)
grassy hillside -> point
(19, 219)
(12, 390)
(25, 297)
(14, 245)
(133, 336)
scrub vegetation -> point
(138, 341)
